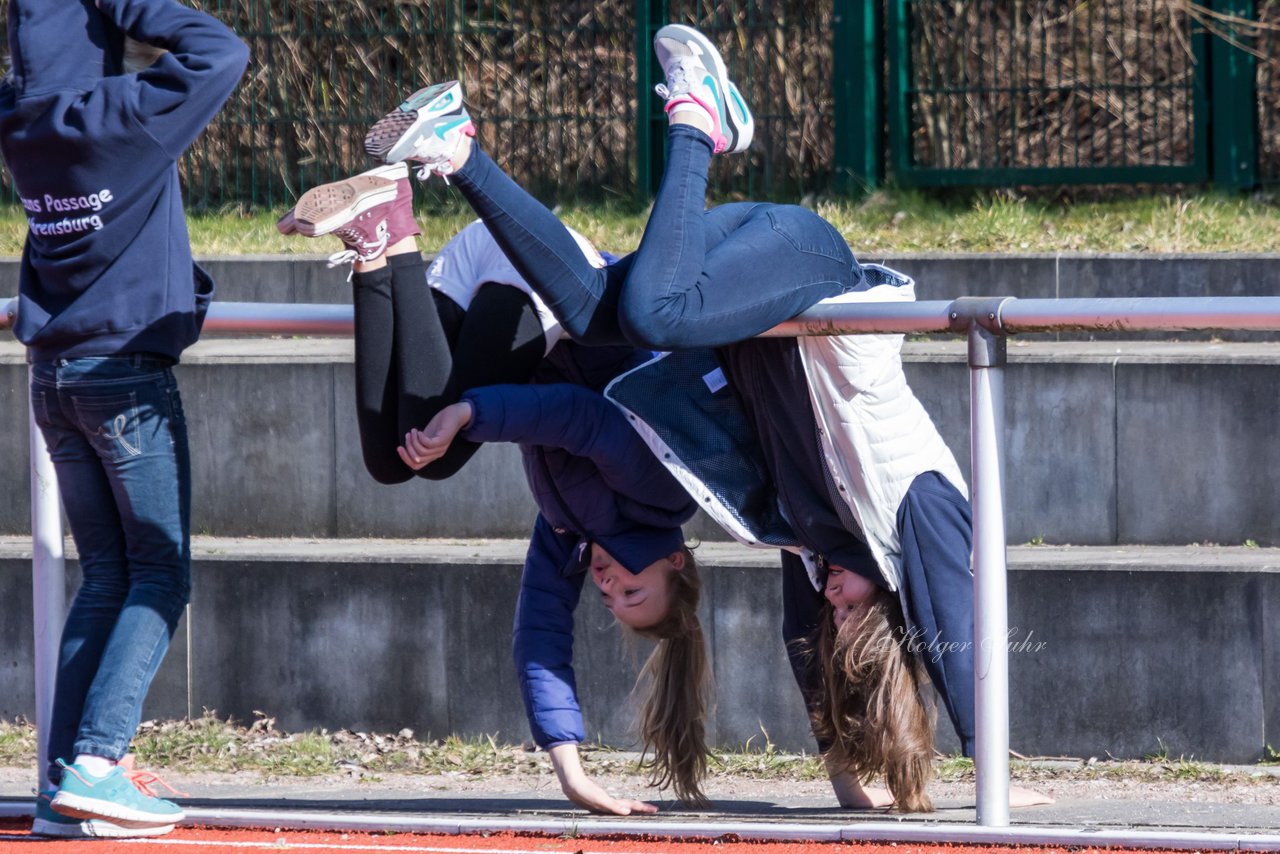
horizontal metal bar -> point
(908, 317)
(1141, 313)
(1017, 315)
(255, 318)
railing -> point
(987, 321)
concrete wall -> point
(1122, 653)
(1129, 443)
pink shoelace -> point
(144, 781)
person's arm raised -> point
(184, 89)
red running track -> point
(15, 837)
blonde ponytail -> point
(678, 690)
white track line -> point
(898, 831)
(346, 846)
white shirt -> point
(472, 257)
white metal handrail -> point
(986, 321)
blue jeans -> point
(699, 278)
(118, 438)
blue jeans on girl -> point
(699, 278)
(118, 438)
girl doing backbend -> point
(478, 350)
(871, 491)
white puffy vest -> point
(876, 437)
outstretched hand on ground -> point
(1020, 797)
(580, 789)
(852, 795)
(425, 446)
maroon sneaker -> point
(368, 212)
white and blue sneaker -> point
(123, 796)
(50, 823)
(428, 128)
(696, 75)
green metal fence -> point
(845, 92)
(1267, 48)
(553, 86)
(1027, 92)
(550, 84)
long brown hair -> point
(871, 709)
(678, 691)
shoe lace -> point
(678, 74)
(442, 167)
(346, 256)
(144, 781)
(351, 254)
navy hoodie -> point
(107, 265)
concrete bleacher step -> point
(1114, 651)
(1106, 443)
(1132, 642)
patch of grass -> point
(764, 761)
(212, 745)
(954, 768)
(882, 223)
(17, 743)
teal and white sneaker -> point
(50, 823)
(122, 797)
(697, 75)
(428, 128)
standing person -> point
(872, 492)
(465, 348)
(109, 298)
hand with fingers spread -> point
(580, 789)
(425, 446)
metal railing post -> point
(48, 586)
(987, 359)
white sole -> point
(75, 806)
(93, 829)
(327, 215)
(406, 146)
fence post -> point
(1233, 90)
(48, 587)
(897, 109)
(650, 125)
(857, 49)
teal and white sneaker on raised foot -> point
(696, 74)
(428, 128)
(50, 823)
(123, 797)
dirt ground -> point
(1062, 781)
